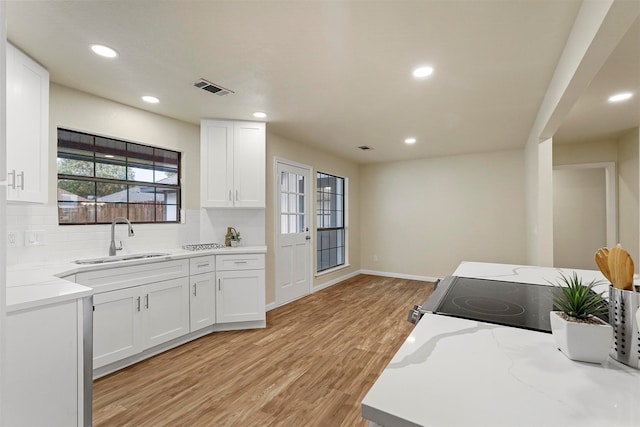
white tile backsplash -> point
(69, 242)
(250, 223)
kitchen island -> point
(458, 372)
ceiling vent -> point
(365, 147)
(213, 88)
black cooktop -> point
(516, 304)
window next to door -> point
(330, 221)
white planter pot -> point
(583, 342)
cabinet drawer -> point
(239, 262)
(125, 277)
(202, 264)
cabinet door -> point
(27, 128)
(203, 300)
(249, 146)
(117, 325)
(240, 296)
(42, 371)
(166, 311)
(216, 163)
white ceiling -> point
(332, 74)
(593, 118)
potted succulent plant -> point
(577, 330)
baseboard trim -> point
(399, 275)
(335, 281)
(272, 305)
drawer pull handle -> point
(230, 199)
(195, 289)
(21, 176)
(206, 264)
(146, 301)
(138, 304)
(12, 185)
(240, 262)
(219, 280)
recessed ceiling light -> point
(105, 51)
(150, 99)
(260, 114)
(109, 156)
(410, 141)
(620, 97)
(422, 72)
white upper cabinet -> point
(27, 128)
(232, 164)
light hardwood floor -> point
(311, 366)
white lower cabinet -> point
(165, 312)
(116, 325)
(240, 296)
(203, 300)
(43, 367)
(139, 307)
(128, 321)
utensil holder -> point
(626, 331)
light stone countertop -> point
(458, 372)
(34, 285)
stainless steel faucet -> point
(112, 247)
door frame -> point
(276, 222)
(611, 208)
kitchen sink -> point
(107, 259)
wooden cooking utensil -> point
(621, 268)
(602, 260)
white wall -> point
(278, 146)
(539, 202)
(3, 228)
(596, 32)
(422, 217)
(629, 194)
(625, 152)
(80, 111)
(579, 216)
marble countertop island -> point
(458, 372)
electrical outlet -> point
(12, 239)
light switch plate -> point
(33, 237)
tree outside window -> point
(102, 178)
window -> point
(102, 178)
(331, 223)
(292, 207)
